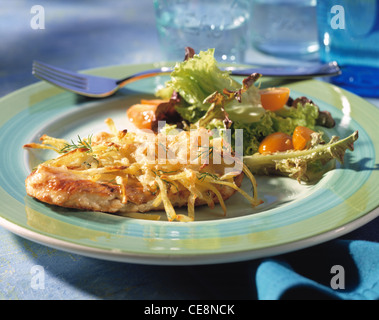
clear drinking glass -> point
(349, 34)
(219, 24)
(286, 28)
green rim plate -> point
(293, 216)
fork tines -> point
(58, 76)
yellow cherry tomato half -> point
(275, 142)
(301, 137)
(274, 98)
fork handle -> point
(144, 74)
(167, 70)
(294, 72)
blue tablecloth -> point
(89, 34)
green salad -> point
(200, 94)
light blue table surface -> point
(90, 34)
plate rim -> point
(192, 259)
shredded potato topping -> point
(162, 164)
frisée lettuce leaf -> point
(304, 165)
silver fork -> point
(100, 87)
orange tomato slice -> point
(274, 98)
(153, 101)
(301, 137)
(275, 142)
(142, 115)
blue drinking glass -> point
(349, 34)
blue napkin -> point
(339, 269)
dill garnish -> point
(202, 175)
(81, 144)
(205, 153)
